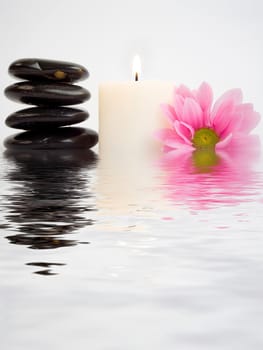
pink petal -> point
(184, 131)
(163, 134)
(178, 105)
(204, 96)
(190, 128)
(249, 118)
(226, 102)
(192, 114)
(225, 142)
(242, 120)
(184, 91)
(171, 157)
(169, 138)
(183, 147)
(169, 112)
(167, 149)
(249, 145)
(229, 126)
(175, 144)
(244, 108)
(222, 120)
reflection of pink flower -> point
(204, 178)
(194, 123)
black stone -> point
(61, 138)
(42, 69)
(38, 118)
(47, 94)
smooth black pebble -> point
(37, 69)
(47, 94)
(39, 118)
(61, 138)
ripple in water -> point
(173, 251)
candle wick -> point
(136, 76)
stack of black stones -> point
(49, 87)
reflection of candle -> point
(129, 113)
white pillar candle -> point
(129, 114)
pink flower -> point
(195, 123)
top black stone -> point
(36, 69)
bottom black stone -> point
(62, 138)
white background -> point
(186, 41)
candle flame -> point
(137, 67)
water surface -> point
(131, 256)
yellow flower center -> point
(205, 138)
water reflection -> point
(126, 186)
(49, 198)
(205, 178)
(45, 268)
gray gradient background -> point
(186, 41)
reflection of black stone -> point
(41, 264)
(47, 271)
(50, 198)
(40, 242)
